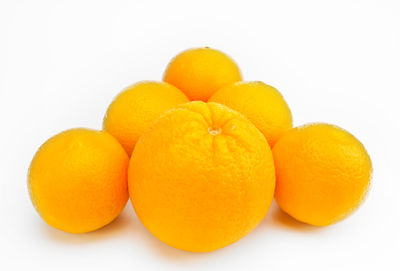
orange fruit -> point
(261, 104)
(323, 173)
(200, 72)
(135, 108)
(201, 177)
(78, 180)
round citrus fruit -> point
(261, 104)
(200, 72)
(78, 180)
(202, 177)
(135, 108)
(322, 173)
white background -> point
(61, 63)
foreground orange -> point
(134, 109)
(262, 104)
(200, 72)
(202, 177)
(78, 180)
(323, 173)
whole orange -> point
(202, 177)
(135, 108)
(323, 173)
(78, 180)
(200, 72)
(261, 104)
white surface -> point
(61, 63)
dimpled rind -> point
(137, 107)
(202, 177)
(200, 72)
(323, 173)
(262, 104)
(78, 180)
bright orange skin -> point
(135, 109)
(202, 177)
(262, 104)
(78, 180)
(200, 72)
(323, 173)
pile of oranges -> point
(201, 156)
